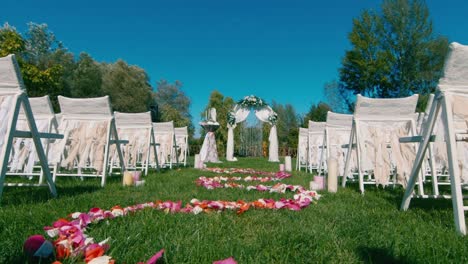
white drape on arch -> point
(230, 143)
(263, 115)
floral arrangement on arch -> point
(252, 101)
(273, 118)
(231, 118)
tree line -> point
(48, 68)
(394, 53)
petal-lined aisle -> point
(72, 241)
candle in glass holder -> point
(136, 176)
(197, 161)
(128, 178)
(320, 181)
(313, 186)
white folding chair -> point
(316, 136)
(450, 105)
(89, 129)
(435, 162)
(23, 159)
(302, 149)
(13, 99)
(377, 126)
(181, 138)
(336, 139)
(137, 129)
(164, 135)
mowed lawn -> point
(345, 227)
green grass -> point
(345, 227)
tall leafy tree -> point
(86, 80)
(317, 112)
(46, 64)
(66, 60)
(337, 98)
(40, 44)
(173, 104)
(11, 41)
(127, 86)
(394, 53)
(287, 124)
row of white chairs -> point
(86, 139)
(386, 142)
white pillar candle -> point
(287, 163)
(197, 161)
(128, 178)
(332, 180)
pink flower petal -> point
(293, 206)
(176, 207)
(226, 261)
(156, 257)
(279, 205)
(61, 222)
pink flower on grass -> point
(156, 257)
(226, 261)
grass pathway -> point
(345, 227)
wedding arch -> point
(264, 113)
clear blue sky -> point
(282, 50)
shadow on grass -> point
(24, 259)
(14, 196)
(394, 195)
(379, 255)
(431, 204)
(66, 187)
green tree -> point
(11, 41)
(317, 112)
(223, 105)
(43, 82)
(66, 60)
(86, 80)
(287, 124)
(337, 98)
(40, 44)
(394, 53)
(127, 86)
(173, 104)
(45, 64)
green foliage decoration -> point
(252, 101)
